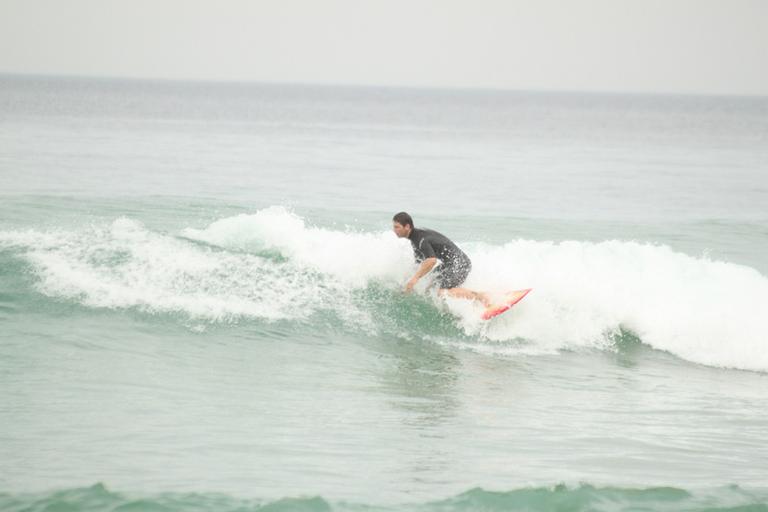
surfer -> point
(428, 247)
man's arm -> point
(425, 267)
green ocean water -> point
(558, 498)
(201, 300)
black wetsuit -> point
(431, 244)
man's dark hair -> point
(403, 219)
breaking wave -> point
(272, 265)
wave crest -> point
(581, 498)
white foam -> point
(705, 311)
(126, 265)
(354, 258)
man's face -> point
(400, 230)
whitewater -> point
(271, 265)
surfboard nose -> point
(512, 298)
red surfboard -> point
(510, 300)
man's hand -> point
(425, 267)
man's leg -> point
(466, 293)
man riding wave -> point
(428, 247)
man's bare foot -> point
(485, 299)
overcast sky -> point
(678, 46)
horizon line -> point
(362, 85)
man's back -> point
(428, 243)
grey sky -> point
(698, 46)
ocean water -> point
(201, 300)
